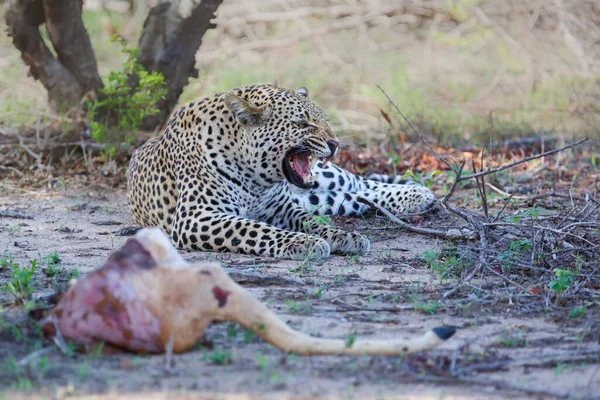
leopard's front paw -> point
(307, 246)
(350, 243)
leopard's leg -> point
(336, 192)
(281, 211)
(218, 231)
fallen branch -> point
(11, 169)
(455, 289)
(480, 224)
(524, 160)
(506, 203)
(456, 167)
(481, 187)
(497, 383)
(540, 361)
(230, 16)
(458, 172)
(32, 356)
(14, 214)
(480, 228)
(503, 193)
(505, 278)
(15, 133)
(396, 309)
(253, 278)
(452, 234)
(465, 344)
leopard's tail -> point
(394, 179)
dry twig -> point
(481, 227)
(438, 155)
(451, 234)
(521, 161)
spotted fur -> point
(337, 190)
(214, 181)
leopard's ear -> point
(302, 91)
(245, 112)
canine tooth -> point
(325, 161)
(313, 162)
(306, 179)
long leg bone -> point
(146, 297)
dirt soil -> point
(373, 296)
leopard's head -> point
(285, 130)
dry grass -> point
(459, 64)
(462, 69)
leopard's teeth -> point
(306, 179)
(313, 162)
(325, 161)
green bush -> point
(126, 99)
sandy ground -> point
(372, 296)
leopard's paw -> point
(350, 243)
(307, 246)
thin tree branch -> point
(449, 234)
(457, 180)
(524, 160)
(438, 155)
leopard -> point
(248, 170)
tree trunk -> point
(74, 73)
(171, 37)
(72, 42)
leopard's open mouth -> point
(297, 166)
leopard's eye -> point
(301, 123)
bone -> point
(147, 299)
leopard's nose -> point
(333, 146)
